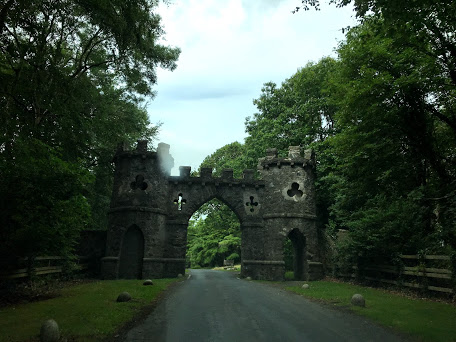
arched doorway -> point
(132, 254)
(298, 244)
(214, 235)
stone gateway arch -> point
(150, 210)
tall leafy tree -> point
(73, 75)
(425, 25)
(394, 146)
(385, 166)
(299, 112)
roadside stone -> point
(148, 282)
(180, 275)
(248, 278)
(49, 331)
(358, 300)
(124, 297)
(305, 286)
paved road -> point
(216, 306)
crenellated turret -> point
(138, 211)
(290, 181)
(290, 209)
(140, 176)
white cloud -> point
(229, 49)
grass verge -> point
(86, 312)
(421, 319)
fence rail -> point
(418, 277)
(43, 270)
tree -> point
(394, 152)
(213, 235)
(230, 156)
(428, 24)
(73, 78)
(385, 164)
(297, 113)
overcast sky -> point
(230, 48)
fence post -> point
(453, 271)
(399, 263)
(31, 267)
(421, 267)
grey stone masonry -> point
(150, 210)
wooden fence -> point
(43, 265)
(422, 276)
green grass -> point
(87, 312)
(289, 275)
(422, 319)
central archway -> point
(214, 235)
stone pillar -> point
(255, 263)
(176, 247)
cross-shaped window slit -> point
(139, 183)
(251, 204)
(294, 191)
(180, 201)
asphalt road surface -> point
(216, 306)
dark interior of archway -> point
(214, 234)
(294, 251)
(132, 253)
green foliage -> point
(393, 149)
(289, 275)
(42, 205)
(231, 156)
(297, 113)
(213, 235)
(288, 254)
(381, 119)
(73, 76)
(235, 257)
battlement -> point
(296, 157)
(165, 159)
(141, 150)
(207, 177)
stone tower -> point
(137, 218)
(290, 210)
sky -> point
(229, 49)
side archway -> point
(132, 254)
(298, 241)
